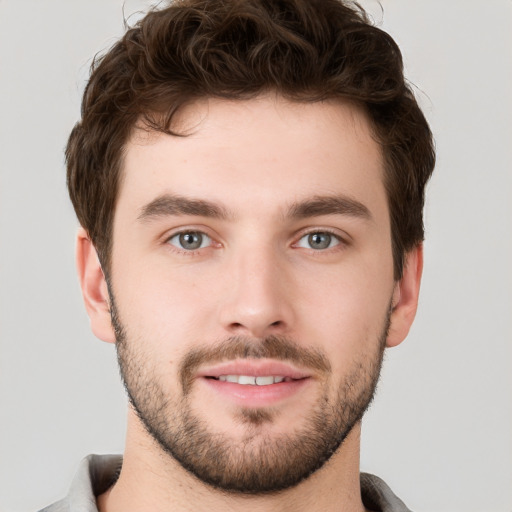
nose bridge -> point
(256, 301)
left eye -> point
(190, 240)
(318, 240)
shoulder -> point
(95, 474)
(378, 496)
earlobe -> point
(94, 287)
(405, 297)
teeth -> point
(251, 380)
(264, 381)
(246, 379)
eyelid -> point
(340, 235)
(188, 228)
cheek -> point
(164, 305)
(346, 307)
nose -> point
(258, 298)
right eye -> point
(190, 240)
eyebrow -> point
(168, 204)
(329, 205)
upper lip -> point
(256, 368)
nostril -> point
(256, 327)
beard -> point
(259, 462)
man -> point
(249, 177)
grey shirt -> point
(99, 472)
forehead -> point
(262, 152)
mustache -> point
(241, 347)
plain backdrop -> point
(440, 430)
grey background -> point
(440, 431)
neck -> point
(151, 479)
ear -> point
(94, 287)
(405, 297)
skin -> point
(257, 277)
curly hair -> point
(304, 50)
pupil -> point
(191, 240)
(319, 240)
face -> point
(251, 286)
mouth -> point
(253, 380)
(254, 383)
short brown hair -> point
(305, 50)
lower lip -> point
(256, 396)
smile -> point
(255, 383)
(252, 380)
